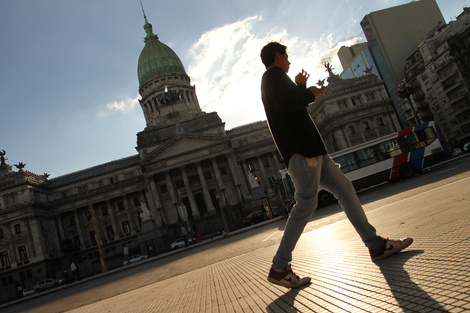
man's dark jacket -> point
(286, 104)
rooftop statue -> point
(2, 157)
(20, 166)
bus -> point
(396, 156)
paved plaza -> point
(432, 275)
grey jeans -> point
(308, 174)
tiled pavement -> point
(432, 275)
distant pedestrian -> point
(75, 271)
(125, 252)
(185, 235)
(196, 233)
(65, 275)
(309, 165)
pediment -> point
(184, 145)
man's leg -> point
(333, 180)
(305, 174)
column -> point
(347, 138)
(264, 178)
(152, 202)
(116, 229)
(60, 226)
(171, 190)
(219, 180)
(130, 214)
(245, 172)
(38, 232)
(189, 192)
(205, 193)
(236, 177)
(79, 224)
(170, 187)
(158, 203)
(276, 161)
(11, 246)
(37, 229)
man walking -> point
(308, 164)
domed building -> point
(189, 171)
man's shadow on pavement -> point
(286, 302)
(397, 278)
(403, 287)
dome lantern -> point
(157, 59)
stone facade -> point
(193, 180)
(436, 85)
(353, 111)
(188, 171)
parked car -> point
(135, 258)
(47, 284)
(28, 291)
(253, 218)
(466, 147)
(457, 152)
(179, 243)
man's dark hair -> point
(268, 53)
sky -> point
(68, 68)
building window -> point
(110, 232)
(72, 220)
(193, 179)
(380, 122)
(179, 183)
(17, 229)
(136, 201)
(272, 182)
(223, 170)
(370, 96)
(120, 205)
(104, 211)
(126, 228)
(242, 142)
(251, 167)
(163, 188)
(265, 163)
(356, 100)
(93, 237)
(4, 259)
(1, 233)
(207, 175)
(23, 254)
(352, 131)
(76, 241)
(366, 125)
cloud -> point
(124, 105)
(226, 67)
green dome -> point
(157, 59)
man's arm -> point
(286, 95)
